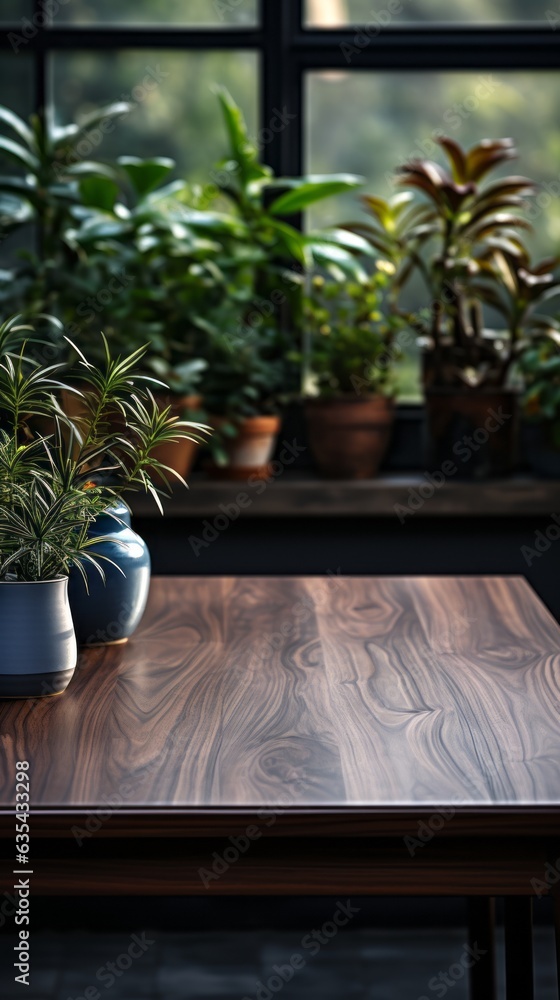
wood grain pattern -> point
(366, 694)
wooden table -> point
(326, 735)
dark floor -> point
(360, 963)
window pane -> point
(16, 93)
(198, 13)
(368, 123)
(175, 111)
(14, 10)
(16, 83)
(341, 13)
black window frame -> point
(288, 51)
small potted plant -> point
(243, 389)
(349, 361)
(465, 241)
(53, 490)
(540, 368)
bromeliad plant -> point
(466, 242)
(350, 337)
(53, 486)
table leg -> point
(482, 975)
(519, 948)
(556, 900)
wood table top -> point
(322, 693)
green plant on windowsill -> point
(141, 230)
(264, 206)
(466, 241)
(539, 367)
(42, 191)
(465, 238)
(350, 336)
(244, 389)
(349, 361)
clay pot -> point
(476, 429)
(349, 435)
(178, 455)
(250, 452)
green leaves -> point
(146, 175)
(243, 152)
(54, 485)
(99, 192)
(350, 346)
(18, 126)
(22, 156)
(467, 243)
(305, 191)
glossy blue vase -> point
(112, 610)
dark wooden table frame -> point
(155, 763)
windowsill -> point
(302, 494)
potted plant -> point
(172, 251)
(45, 190)
(349, 360)
(243, 390)
(466, 243)
(540, 368)
(51, 496)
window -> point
(14, 10)
(342, 13)
(200, 13)
(174, 110)
(365, 84)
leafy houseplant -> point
(126, 249)
(350, 357)
(53, 488)
(540, 368)
(176, 282)
(243, 391)
(251, 361)
(43, 192)
(465, 241)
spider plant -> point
(54, 486)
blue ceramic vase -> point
(37, 642)
(112, 610)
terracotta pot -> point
(349, 435)
(475, 429)
(250, 452)
(178, 455)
